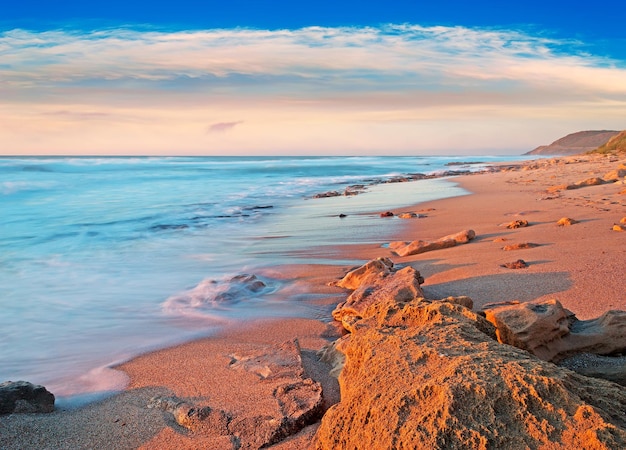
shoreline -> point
(580, 265)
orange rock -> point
(615, 175)
(551, 332)
(417, 247)
(619, 227)
(519, 246)
(566, 221)
(518, 224)
(399, 286)
(368, 273)
(430, 375)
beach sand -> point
(581, 265)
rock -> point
(24, 397)
(551, 332)
(417, 247)
(595, 181)
(368, 273)
(618, 227)
(517, 224)
(271, 362)
(408, 215)
(191, 416)
(566, 222)
(460, 300)
(386, 214)
(333, 357)
(614, 175)
(300, 404)
(623, 220)
(519, 264)
(430, 375)
(298, 401)
(400, 286)
(519, 246)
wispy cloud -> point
(221, 127)
(342, 77)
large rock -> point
(368, 273)
(25, 397)
(551, 332)
(401, 286)
(416, 247)
(431, 374)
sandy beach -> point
(581, 265)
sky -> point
(326, 77)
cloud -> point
(221, 127)
(392, 85)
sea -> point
(105, 258)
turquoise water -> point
(104, 258)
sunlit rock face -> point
(432, 374)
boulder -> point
(551, 332)
(368, 273)
(400, 286)
(24, 397)
(431, 375)
(417, 247)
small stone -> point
(519, 264)
(566, 222)
(386, 214)
(519, 246)
(518, 224)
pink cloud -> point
(221, 127)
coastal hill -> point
(580, 142)
(617, 144)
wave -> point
(210, 297)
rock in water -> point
(25, 397)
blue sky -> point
(285, 77)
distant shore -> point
(580, 265)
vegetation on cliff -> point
(615, 145)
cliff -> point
(580, 142)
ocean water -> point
(105, 258)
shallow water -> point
(104, 258)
